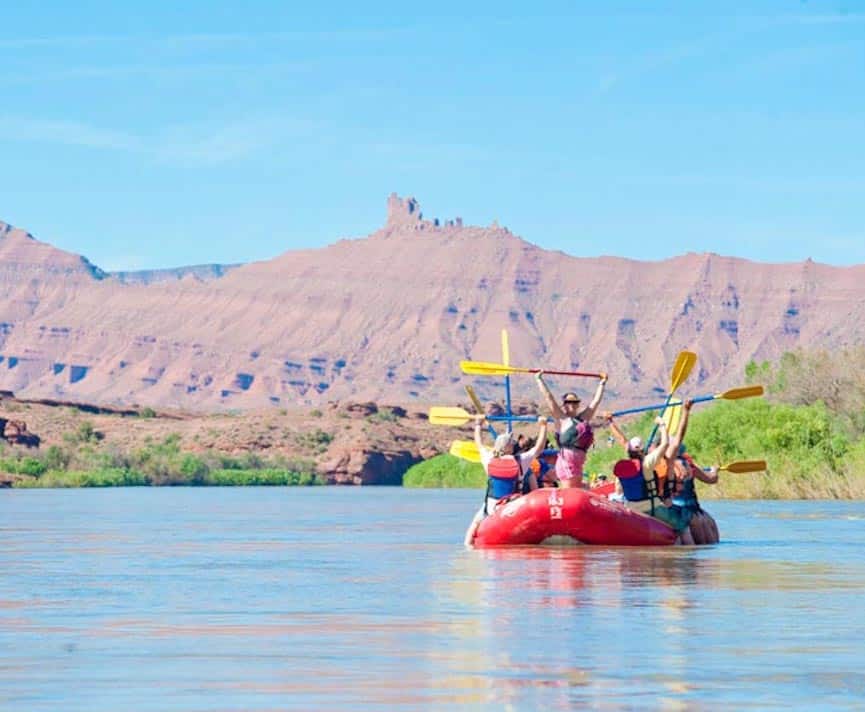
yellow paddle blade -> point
(473, 397)
(449, 415)
(682, 369)
(672, 416)
(482, 368)
(743, 392)
(506, 354)
(745, 466)
(465, 450)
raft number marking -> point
(555, 500)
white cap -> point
(502, 442)
(635, 443)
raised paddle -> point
(506, 360)
(476, 402)
(681, 370)
(454, 415)
(732, 394)
(465, 450)
(482, 368)
(672, 417)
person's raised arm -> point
(679, 437)
(617, 433)
(589, 410)
(652, 458)
(665, 436)
(542, 438)
(478, 441)
(548, 397)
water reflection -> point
(574, 577)
(289, 599)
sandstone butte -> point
(388, 317)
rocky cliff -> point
(389, 316)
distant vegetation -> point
(80, 462)
(810, 428)
(445, 471)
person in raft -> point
(505, 470)
(637, 479)
(541, 467)
(685, 513)
(573, 432)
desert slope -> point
(388, 317)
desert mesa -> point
(389, 316)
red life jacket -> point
(503, 476)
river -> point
(364, 598)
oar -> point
(745, 466)
(454, 415)
(672, 416)
(482, 368)
(732, 394)
(506, 360)
(681, 370)
(465, 450)
(476, 402)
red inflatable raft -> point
(583, 516)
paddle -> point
(506, 360)
(732, 394)
(745, 466)
(465, 450)
(454, 415)
(476, 402)
(672, 416)
(482, 368)
(681, 370)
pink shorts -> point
(569, 464)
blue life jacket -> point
(634, 486)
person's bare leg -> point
(698, 529)
(685, 535)
(473, 529)
(713, 529)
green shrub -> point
(316, 440)
(265, 477)
(445, 471)
(384, 415)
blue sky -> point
(181, 133)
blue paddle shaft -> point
(660, 406)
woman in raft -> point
(506, 471)
(637, 480)
(682, 506)
(573, 432)
(672, 498)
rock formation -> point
(389, 317)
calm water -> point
(291, 598)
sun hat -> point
(635, 443)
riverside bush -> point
(445, 471)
